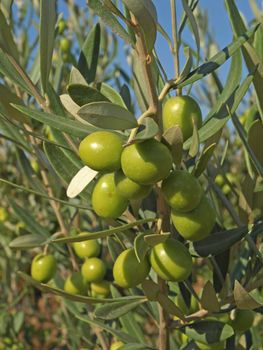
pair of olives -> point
(170, 260)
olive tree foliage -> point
(51, 97)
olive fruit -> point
(43, 267)
(117, 345)
(3, 214)
(181, 111)
(75, 284)
(101, 151)
(101, 289)
(93, 270)
(182, 191)
(86, 249)
(130, 189)
(128, 272)
(65, 45)
(106, 200)
(242, 320)
(61, 26)
(146, 162)
(171, 260)
(196, 224)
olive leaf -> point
(246, 300)
(77, 184)
(82, 94)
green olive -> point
(196, 224)
(181, 111)
(128, 272)
(86, 249)
(130, 189)
(171, 260)
(117, 345)
(93, 270)
(182, 191)
(65, 45)
(101, 151)
(106, 200)
(146, 162)
(75, 284)
(101, 289)
(43, 267)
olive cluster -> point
(90, 280)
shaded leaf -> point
(191, 18)
(221, 241)
(89, 55)
(209, 299)
(194, 148)
(244, 299)
(6, 38)
(125, 337)
(117, 309)
(173, 138)
(203, 160)
(208, 331)
(76, 77)
(82, 94)
(108, 116)
(111, 94)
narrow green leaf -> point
(249, 53)
(146, 16)
(125, 337)
(72, 127)
(117, 309)
(76, 77)
(8, 97)
(104, 233)
(255, 141)
(79, 298)
(148, 129)
(221, 241)
(64, 168)
(194, 148)
(88, 59)
(28, 219)
(28, 241)
(11, 69)
(83, 95)
(108, 115)
(136, 346)
(191, 18)
(140, 246)
(188, 63)
(6, 38)
(217, 60)
(173, 138)
(108, 18)
(129, 322)
(203, 160)
(156, 238)
(217, 122)
(28, 190)
(208, 331)
(47, 38)
(111, 94)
